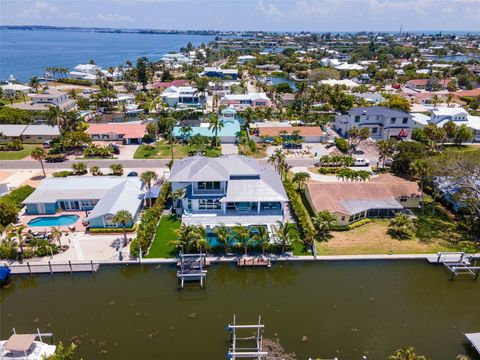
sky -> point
(268, 15)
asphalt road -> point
(140, 164)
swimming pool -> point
(62, 220)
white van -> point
(361, 162)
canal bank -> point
(317, 309)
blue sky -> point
(275, 15)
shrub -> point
(148, 223)
(97, 151)
(11, 203)
(43, 247)
(74, 81)
(148, 138)
(15, 145)
(341, 144)
(111, 230)
(8, 250)
(353, 225)
(63, 173)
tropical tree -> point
(248, 117)
(223, 236)
(284, 234)
(62, 352)
(406, 354)
(201, 84)
(199, 142)
(34, 83)
(302, 90)
(215, 124)
(177, 195)
(185, 131)
(401, 226)
(462, 134)
(242, 237)
(421, 169)
(300, 178)
(323, 222)
(56, 235)
(147, 178)
(200, 236)
(386, 149)
(79, 168)
(39, 154)
(186, 238)
(450, 129)
(95, 171)
(261, 236)
(123, 217)
(117, 169)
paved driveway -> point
(127, 152)
(229, 149)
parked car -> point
(132, 173)
(330, 143)
(87, 91)
(47, 144)
(361, 162)
(291, 145)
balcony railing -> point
(208, 191)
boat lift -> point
(191, 268)
(249, 347)
(458, 263)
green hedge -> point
(341, 144)
(352, 225)
(11, 203)
(111, 230)
(148, 223)
(74, 81)
(63, 173)
(329, 170)
(305, 225)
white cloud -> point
(114, 17)
(39, 9)
(270, 10)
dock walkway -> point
(50, 268)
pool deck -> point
(77, 226)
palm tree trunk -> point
(43, 168)
(421, 191)
(245, 248)
(125, 241)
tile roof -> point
(345, 197)
(132, 131)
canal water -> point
(330, 309)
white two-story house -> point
(182, 97)
(228, 190)
(384, 123)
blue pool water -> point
(62, 220)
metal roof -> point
(20, 342)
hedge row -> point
(74, 81)
(148, 223)
(111, 230)
(305, 225)
(352, 225)
(11, 203)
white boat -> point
(25, 347)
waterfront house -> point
(458, 115)
(216, 72)
(229, 189)
(349, 84)
(47, 98)
(243, 101)
(383, 122)
(421, 84)
(245, 58)
(382, 196)
(10, 89)
(182, 97)
(127, 133)
(28, 133)
(287, 99)
(101, 197)
(176, 60)
(167, 84)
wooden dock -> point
(52, 268)
(474, 339)
(253, 261)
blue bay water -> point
(26, 53)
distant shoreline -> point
(221, 32)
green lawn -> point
(161, 150)
(17, 155)
(166, 232)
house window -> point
(343, 218)
(374, 130)
(104, 136)
(403, 199)
(209, 204)
(393, 120)
(357, 118)
(109, 222)
(405, 120)
(209, 185)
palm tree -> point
(186, 238)
(34, 83)
(39, 154)
(302, 89)
(200, 236)
(16, 233)
(147, 178)
(95, 170)
(401, 226)
(386, 149)
(201, 84)
(323, 222)
(248, 117)
(284, 234)
(242, 237)
(123, 217)
(117, 169)
(223, 237)
(177, 195)
(300, 178)
(261, 236)
(215, 124)
(185, 131)
(56, 235)
(406, 354)
(421, 169)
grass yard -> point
(17, 155)
(166, 232)
(373, 239)
(162, 151)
